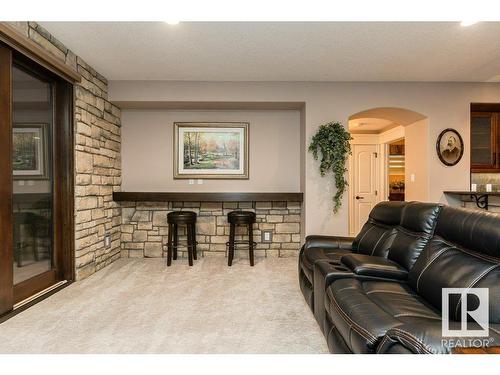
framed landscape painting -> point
(211, 150)
(29, 151)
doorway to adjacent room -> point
(388, 161)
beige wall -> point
(147, 150)
(417, 155)
(444, 104)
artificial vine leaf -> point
(332, 140)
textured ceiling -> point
(319, 51)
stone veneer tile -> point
(212, 228)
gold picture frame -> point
(211, 150)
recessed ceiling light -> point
(172, 22)
(468, 23)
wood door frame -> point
(6, 232)
(63, 184)
(24, 45)
(64, 173)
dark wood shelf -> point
(126, 196)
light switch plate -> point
(200, 181)
(267, 236)
(107, 240)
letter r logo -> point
(467, 306)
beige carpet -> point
(140, 306)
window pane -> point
(32, 175)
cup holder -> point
(341, 268)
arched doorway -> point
(389, 161)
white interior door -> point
(365, 182)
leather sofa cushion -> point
(313, 254)
(417, 226)
(363, 311)
(420, 217)
(334, 340)
(377, 234)
(446, 265)
(328, 242)
(366, 265)
(475, 230)
(306, 289)
(426, 337)
(388, 213)
(375, 238)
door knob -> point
(358, 197)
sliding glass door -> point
(35, 119)
(32, 180)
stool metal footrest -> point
(231, 246)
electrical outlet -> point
(200, 181)
(191, 181)
(107, 240)
(267, 236)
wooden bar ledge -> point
(126, 196)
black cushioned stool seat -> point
(174, 219)
(246, 218)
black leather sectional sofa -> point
(381, 292)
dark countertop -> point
(465, 192)
(206, 197)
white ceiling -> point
(378, 120)
(287, 51)
(400, 116)
(370, 125)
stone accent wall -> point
(145, 228)
(97, 158)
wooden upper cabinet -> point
(485, 142)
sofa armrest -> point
(367, 265)
(427, 338)
(329, 242)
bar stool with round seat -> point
(174, 219)
(240, 218)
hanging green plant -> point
(333, 141)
